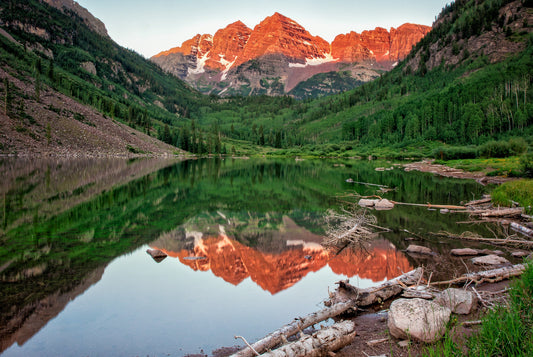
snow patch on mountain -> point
(314, 61)
(200, 64)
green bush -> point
(515, 146)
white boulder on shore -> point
(418, 319)
(458, 300)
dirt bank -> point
(442, 170)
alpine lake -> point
(242, 239)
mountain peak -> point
(92, 22)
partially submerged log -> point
(512, 242)
(281, 334)
(369, 296)
(491, 276)
(505, 212)
(331, 338)
(522, 229)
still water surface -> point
(242, 238)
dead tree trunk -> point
(276, 337)
(320, 343)
(365, 297)
(491, 276)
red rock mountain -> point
(278, 34)
(285, 51)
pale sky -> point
(152, 26)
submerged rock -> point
(458, 300)
(418, 249)
(420, 319)
(464, 251)
(156, 254)
(491, 259)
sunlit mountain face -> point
(287, 255)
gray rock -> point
(418, 319)
(418, 249)
(156, 254)
(458, 300)
(367, 203)
(384, 204)
(491, 259)
(464, 251)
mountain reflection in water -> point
(234, 262)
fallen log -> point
(430, 205)
(491, 276)
(278, 336)
(478, 202)
(496, 241)
(369, 296)
(506, 212)
(328, 339)
(522, 229)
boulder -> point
(418, 249)
(458, 300)
(491, 259)
(384, 204)
(418, 319)
(367, 203)
(464, 252)
(156, 254)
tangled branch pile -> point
(349, 227)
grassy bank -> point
(520, 191)
(505, 331)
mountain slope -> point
(238, 60)
(62, 50)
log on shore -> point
(507, 212)
(522, 229)
(369, 296)
(278, 336)
(318, 344)
(491, 276)
(478, 202)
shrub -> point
(515, 146)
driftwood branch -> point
(276, 337)
(478, 202)
(515, 242)
(492, 276)
(332, 338)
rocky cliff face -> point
(278, 51)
